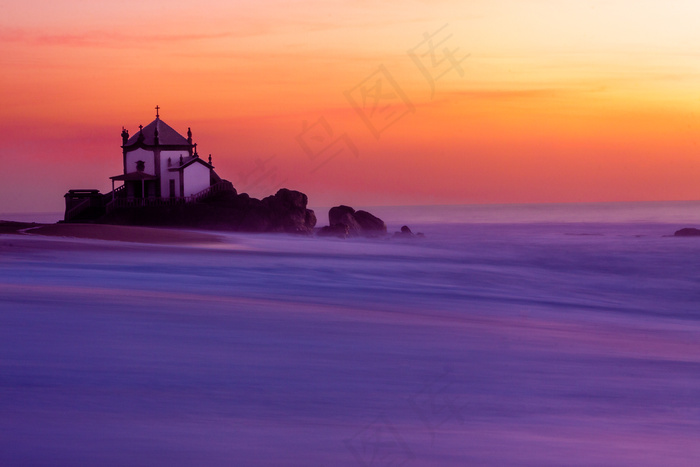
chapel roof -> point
(189, 162)
(167, 136)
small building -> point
(160, 166)
(159, 162)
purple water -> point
(535, 335)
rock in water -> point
(687, 232)
(335, 230)
(344, 215)
(286, 211)
(358, 223)
(405, 233)
(310, 218)
(370, 224)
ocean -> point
(509, 335)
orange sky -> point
(546, 101)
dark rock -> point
(335, 230)
(359, 223)
(310, 218)
(338, 213)
(285, 211)
(345, 215)
(407, 233)
(687, 232)
(370, 224)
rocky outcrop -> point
(284, 212)
(687, 232)
(344, 215)
(370, 223)
(335, 230)
(357, 223)
(310, 220)
(407, 233)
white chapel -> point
(161, 168)
(161, 163)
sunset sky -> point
(534, 101)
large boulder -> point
(687, 232)
(286, 212)
(370, 224)
(344, 215)
(310, 218)
(358, 223)
(335, 230)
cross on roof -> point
(157, 109)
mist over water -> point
(620, 212)
(510, 335)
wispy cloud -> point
(506, 94)
(108, 39)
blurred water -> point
(623, 212)
(539, 341)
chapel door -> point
(172, 188)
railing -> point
(120, 191)
(109, 207)
(124, 202)
(120, 203)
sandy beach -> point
(111, 232)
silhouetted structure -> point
(161, 168)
